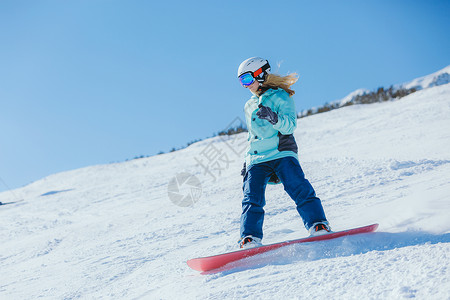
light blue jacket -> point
(266, 141)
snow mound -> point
(350, 97)
(440, 77)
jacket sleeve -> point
(287, 117)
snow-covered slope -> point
(112, 231)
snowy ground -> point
(112, 231)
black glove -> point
(266, 113)
(274, 179)
(244, 170)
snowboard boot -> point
(319, 228)
(249, 242)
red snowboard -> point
(213, 262)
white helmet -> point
(257, 66)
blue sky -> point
(94, 82)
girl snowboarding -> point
(272, 152)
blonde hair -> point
(284, 82)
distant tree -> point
(233, 130)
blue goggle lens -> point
(246, 79)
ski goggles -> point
(246, 79)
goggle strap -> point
(257, 72)
(260, 70)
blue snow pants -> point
(295, 184)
